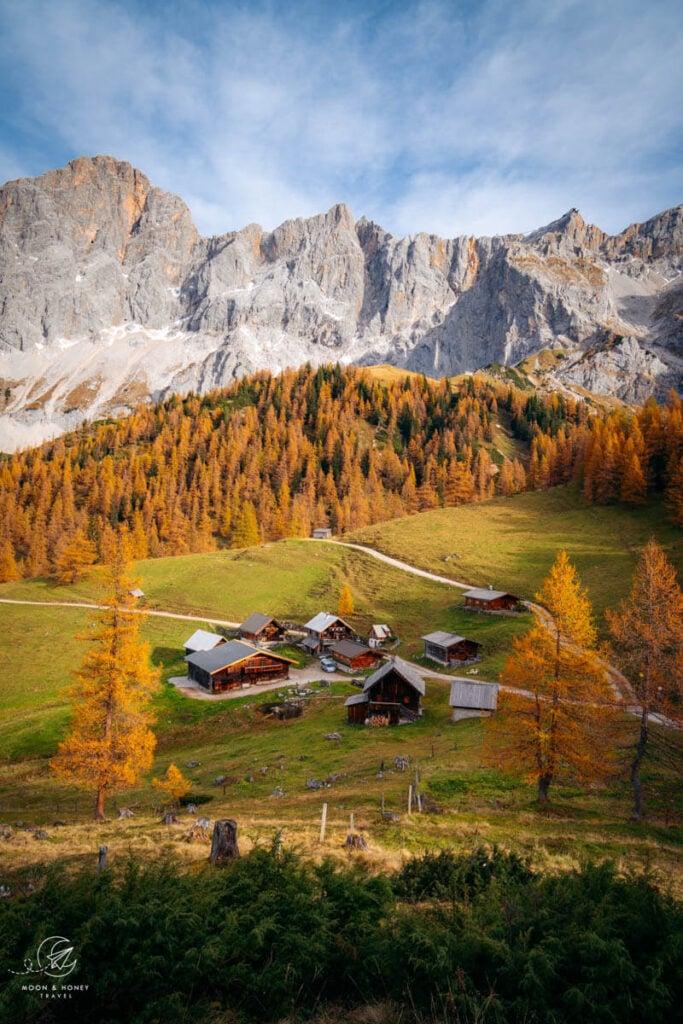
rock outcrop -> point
(109, 296)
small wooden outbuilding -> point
(202, 640)
(394, 693)
(324, 630)
(447, 648)
(379, 635)
(259, 629)
(236, 664)
(322, 533)
(353, 657)
(472, 700)
(486, 599)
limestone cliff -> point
(108, 295)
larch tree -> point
(345, 606)
(173, 784)
(647, 643)
(556, 717)
(110, 743)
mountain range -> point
(110, 296)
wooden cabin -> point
(202, 640)
(447, 648)
(472, 700)
(379, 635)
(324, 630)
(322, 533)
(262, 629)
(394, 692)
(236, 664)
(353, 657)
(486, 599)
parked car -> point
(328, 665)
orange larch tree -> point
(110, 743)
(647, 643)
(557, 716)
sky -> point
(446, 116)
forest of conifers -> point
(274, 457)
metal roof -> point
(467, 694)
(381, 632)
(322, 621)
(229, 654)
(256, 622)
(350, 649)
(443, 639)
(403, 669)
(484, 594)
(202, 640)
(356, 698)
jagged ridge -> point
(109, 295)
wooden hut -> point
(486, 599)
(394, 692)
(353, 657)
(447, 648)
(260, 629)
(472, 700)
(379, 635)
(202, 640)
(324, 630)
(322, 533)
(236, 664)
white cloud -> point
(423, 115)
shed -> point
(486, 599)
(260, 628)
(353, 657)
(379, 634)
(322, 533)
(447, 648)
(393, 692)
(202, 640)
(472, 700)
(324, 630)
(137, 593)
(236, 664)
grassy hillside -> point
(268, 764)
(511, 543)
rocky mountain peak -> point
(109, 295)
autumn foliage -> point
(273, 457)
(647, 642)
(110, 744)
(561, 720)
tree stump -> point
(224, 841)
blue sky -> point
(425, 115)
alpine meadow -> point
(436, 503)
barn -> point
(236, 664)
(447, 648)
(324, 630)
(202, 640)
(486, 599)
(393, 693)
(472, 700)
(353, 657)
(260, 629)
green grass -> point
(295, 579)
(510, 543)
